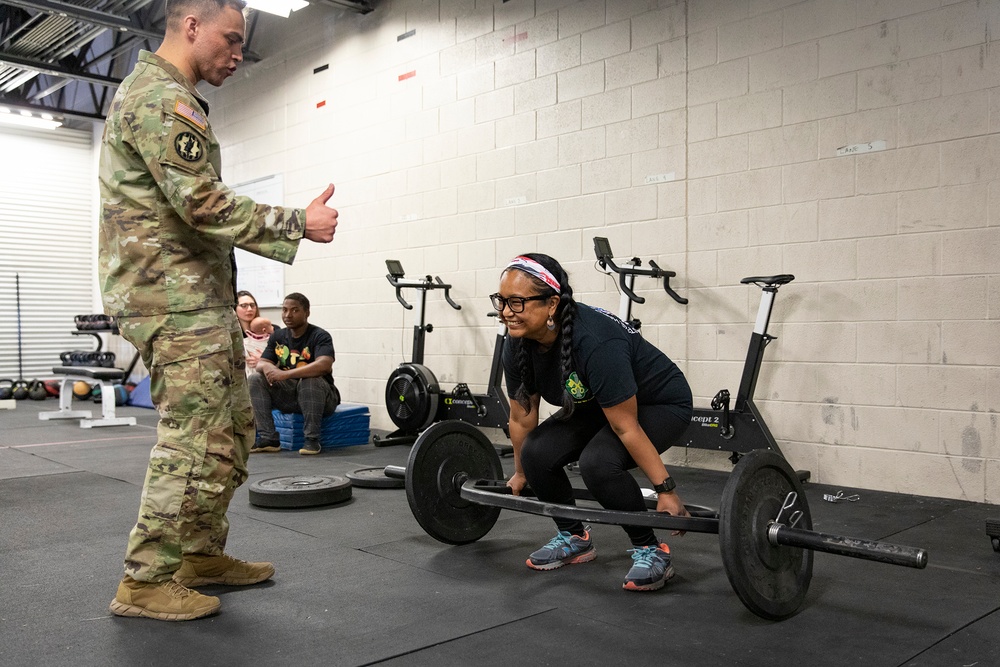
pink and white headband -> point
(533, 268)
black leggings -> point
(604, 461)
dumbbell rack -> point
(89, 367)
(95, 325)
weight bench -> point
(107, 377)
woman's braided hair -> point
(564, 317)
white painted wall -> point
(886, 373)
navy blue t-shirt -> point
(287, 352)
(611, 363)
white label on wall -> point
(870, 147)
(409, 217)
(659, 178)
(514, 201)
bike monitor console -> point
(395, 268)
(602, 248)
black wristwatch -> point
(666, 486)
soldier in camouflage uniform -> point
(167, 233)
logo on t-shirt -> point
(575, 387)
(289, 358)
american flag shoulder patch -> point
(185, 111)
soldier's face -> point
(218, 46)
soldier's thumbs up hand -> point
(321, 220)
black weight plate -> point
(411, 397)
(300, 491)
(443, 455)
(771, 580)
(374, 478)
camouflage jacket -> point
(168, 222)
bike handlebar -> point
(603, 251)
(427, 284)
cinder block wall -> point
(852, 143)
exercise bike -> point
(414, 397)
(739, 428)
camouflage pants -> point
(198, 385)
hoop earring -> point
(550, 324)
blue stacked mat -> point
(349, 425)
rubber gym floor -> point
(360, 582)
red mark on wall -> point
(321, 104)
(408, 75)
(519, 37)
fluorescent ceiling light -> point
(26, 119)
(277, 7)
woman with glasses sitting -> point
(246, 312)
(623, 403)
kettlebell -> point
(121, 395)
(36, 391)
(6, 389)
(20, 390)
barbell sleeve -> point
(395, 472)
(882, 552)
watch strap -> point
(666, 486)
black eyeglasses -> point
(515, 303)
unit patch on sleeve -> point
(188, 147)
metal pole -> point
(17, 291)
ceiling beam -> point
(55, 111)
(112, 21)
(55, 70)
(360, 6)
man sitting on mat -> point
(295, 374)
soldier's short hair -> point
(301, 298)
(175, 10)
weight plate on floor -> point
(374, 478)
(441, 458)
(300, 491)
(771, 580)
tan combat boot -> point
(164, 601)
(202, 570)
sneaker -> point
(272, 444)
(311, 447)
(202, 570)
(164, 601)
(651, 568)
(563, 549)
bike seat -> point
(768, 281)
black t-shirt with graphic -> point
(611, 363)
(287, 352)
